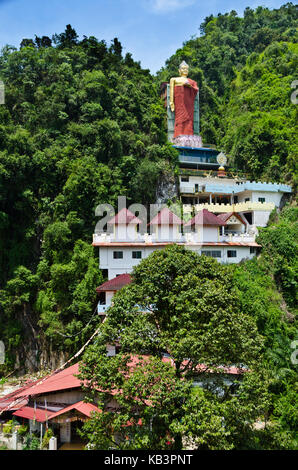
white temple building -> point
(225, 237)
(253, 200)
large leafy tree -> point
(181, 317)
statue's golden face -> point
(183, 70)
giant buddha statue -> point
(183, 92)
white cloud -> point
(170, 5)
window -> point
(118, 254)
(137, 254)
(232, 254)
(261, 199)
(184, 179)
(252, 249)
(212, 254)
(248, 216)
(246, 199)
(196, 188)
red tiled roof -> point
(230, 244)
(232, 370)
(166, 217)
(66, 379)
(152, 244)
(204, 217)
(11, 402)
(60, 381)
(29, 412)
(42, 415)
(132, 244)
(224, 217)
(124, 217)
(84, 408)
(115, 284)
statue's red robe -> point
(184, 98)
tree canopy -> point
(81, 125)
(179, 321)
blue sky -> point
(152, 30)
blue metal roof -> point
(196, 148)
(247, 186)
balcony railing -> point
(187, 238)
(239, 207)
(145, 238)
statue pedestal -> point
(194, 141)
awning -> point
(80, 406)
(37, 414)
(42, 415)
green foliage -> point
(145, 427)
(66, 299)
(31, 442)
(280, 253)
(260, 119)
(189, 300)
(22, 430)
(216, 58)
(81, 125)
(185, 306)
(46, 438)
(8, 427)
(267, 292)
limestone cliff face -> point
(167, 189)
(37, 354)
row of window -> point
(211, 253)
(260, 199)
(217, 253)
(185, 179)
(134, 255)
(230, 253)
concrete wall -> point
(260, 218)
(166, 232)
(125, 231)
(109, 296)
(242, 252)
(71, 396)
(125, 265)
(269, 197)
